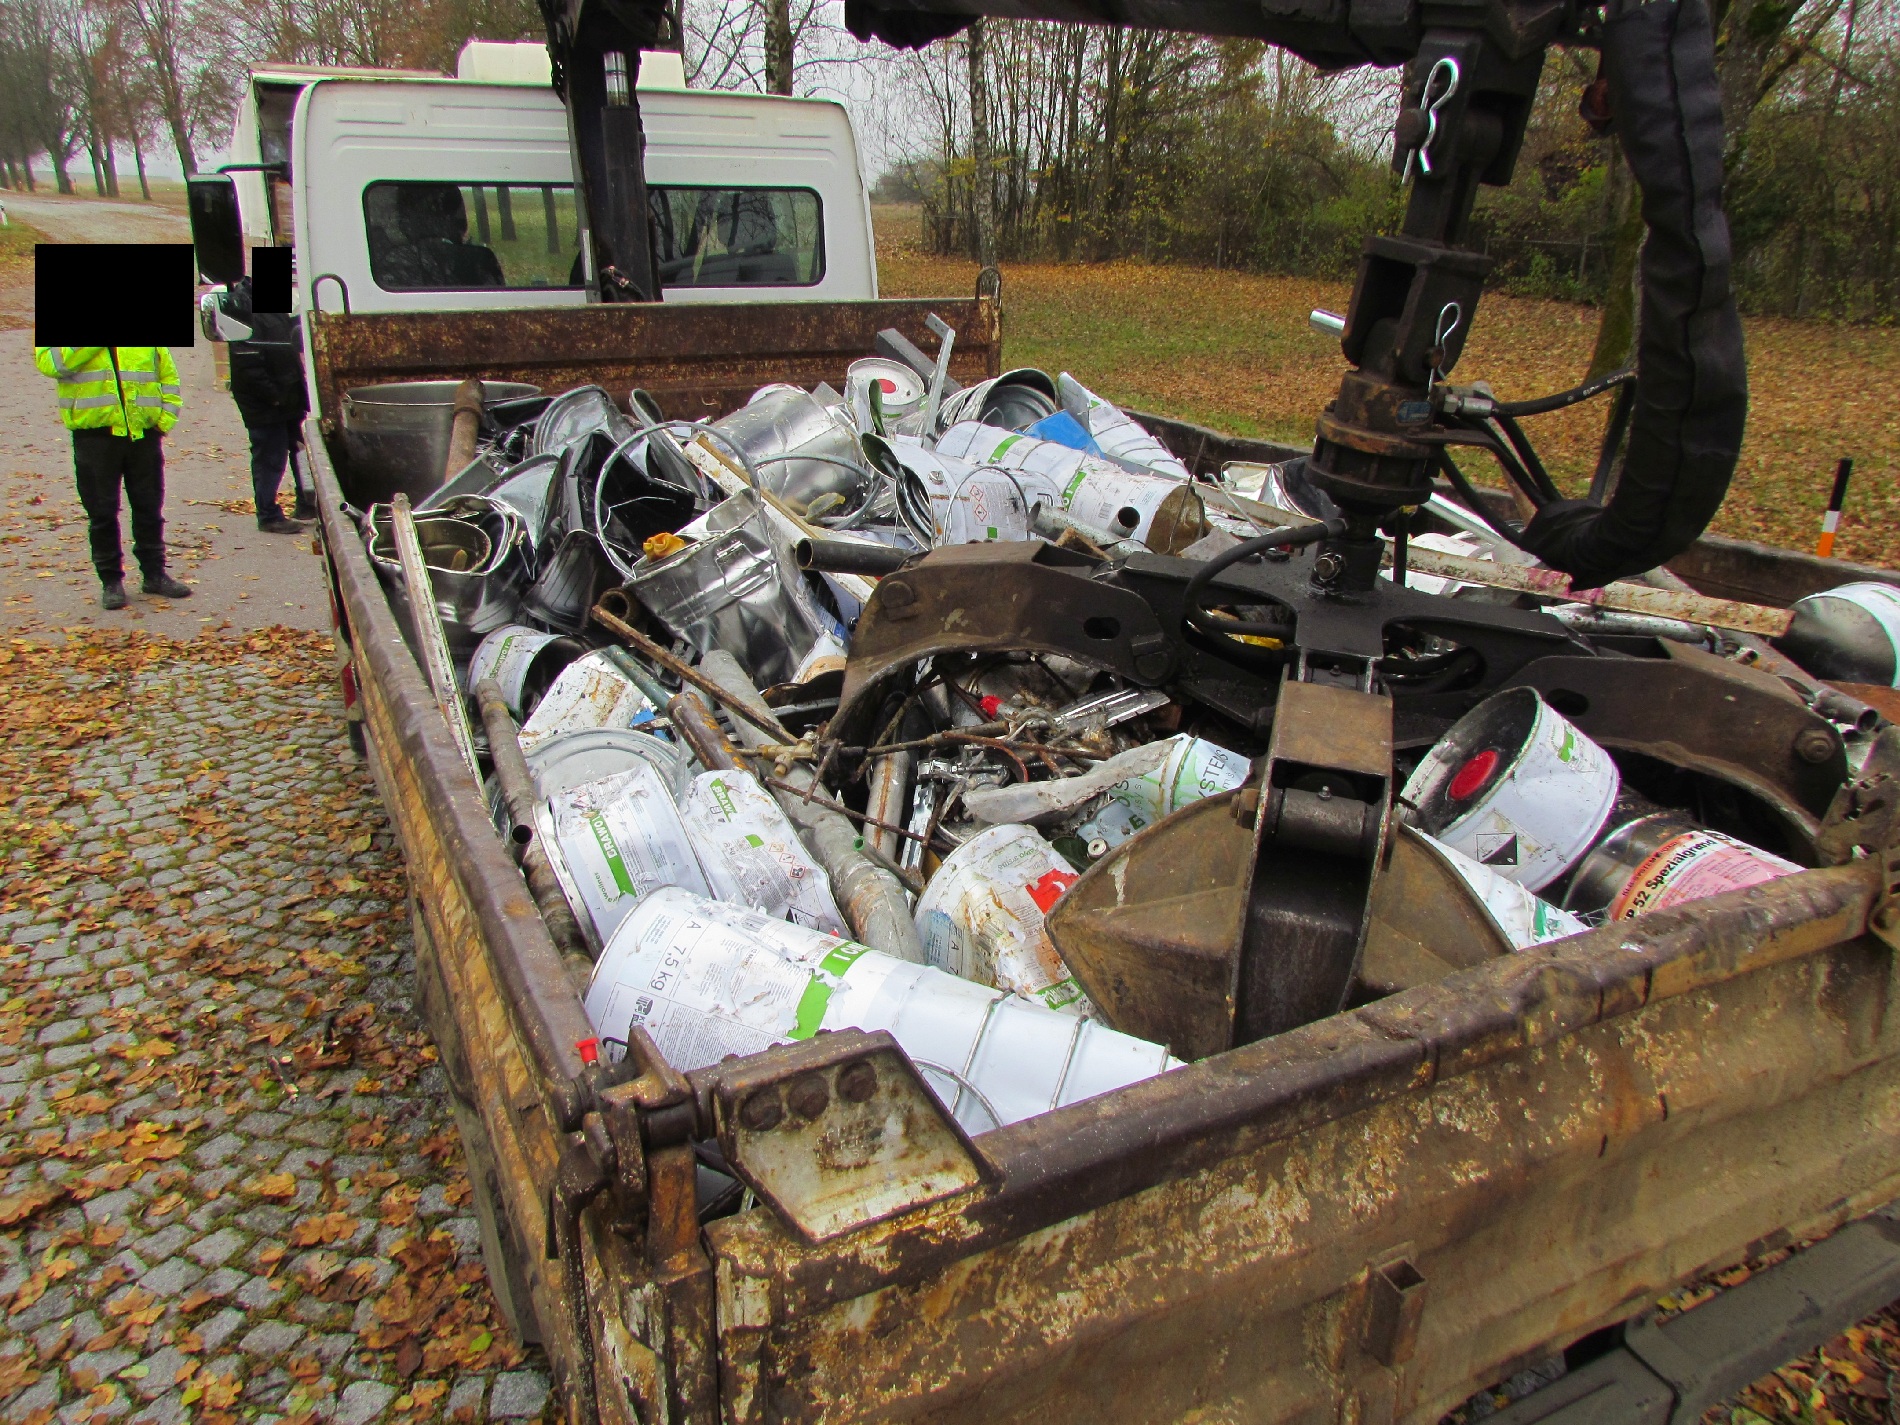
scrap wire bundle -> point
(628, 586)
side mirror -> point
(218, 324)
(217, 229)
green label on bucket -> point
(816, 999)
(1569, 748)
(610, 850)
(722, 796)
(1075, 483)
(997, 454)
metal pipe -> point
(1052, 524)
(889, 799)
(427, 619)
(464, 426)
(654, 690)
(871, 897)
(1326, 323)
(754, 712)
(517, 794)
(842, 556)
(693, 722)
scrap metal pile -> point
(976, 716)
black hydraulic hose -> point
(1286, 537)
(1507, 529)
(1613, 433)
(1527, 454)
(1542, 405)
(1692, 383)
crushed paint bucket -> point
(523, 661)
(707, 979)
(568, 759)
(1522, 918)
(1850, 634)
(1162, 513)
(1661, 860)
(1116, 433)
(981, 916)
(943, 500)
(613, 842)
(751, 854)
(900, 391)
(1193, 768)
(589, 692)
(1515, 787)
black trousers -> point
(102, 462)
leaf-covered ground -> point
(230, 1184)
(1234, 351)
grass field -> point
(1233, 351)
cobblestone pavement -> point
(230, 1186)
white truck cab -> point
(401, 192)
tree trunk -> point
(60, 177)
(111, 164)
(983, 176)
(138, 157)
(504, 208)
(1616, 325)
(778, 46)
(98, 168)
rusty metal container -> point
(1366, 1218)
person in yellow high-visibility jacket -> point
(118, 402)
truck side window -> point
(427, 236)
(738, 237)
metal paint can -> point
(1522, 918)
(981, 916)
(570, 758)
(1119, 435)
(523, 661)
(589, 692)
(987, 506)
(1661, 860)
(900, 390)
(1851, 634)
(1194, 768)
(613, 842)
(751, 854)
(707, 979)
(781, 423)
(1515, 787)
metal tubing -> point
(428, 626)
(870, 896)
(517, 792)
(841, 556)
(889, 800)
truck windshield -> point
(429, 236)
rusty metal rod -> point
(686, 673)
(426, 619)
(464, 427)
(694, 723)
(779, 784)
(517, 792)
(889, 792)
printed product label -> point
(751, 853)
(505, 656)
(612, 842)
(1194, 768)
(1524, 919)
(1693, 866)
(590, 692)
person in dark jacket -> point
(267, 382)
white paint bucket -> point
(1693, 866)
(752, 855)
(522, 660)
(1522, 918)
(1193, 768)
(614, 841)
(1515, 787)
(1850, 633)
(570, 758)
(590, 692)
(900, 390)
(707, 979)
(1120, 435)
(981, 916)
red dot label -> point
(887, 386)
(1473, 775)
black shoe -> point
(304, 511)
(112, 594)
(163, 586)
(279, 525)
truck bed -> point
(1366, 1218)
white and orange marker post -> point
(1831, 521)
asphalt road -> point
(241, 579)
